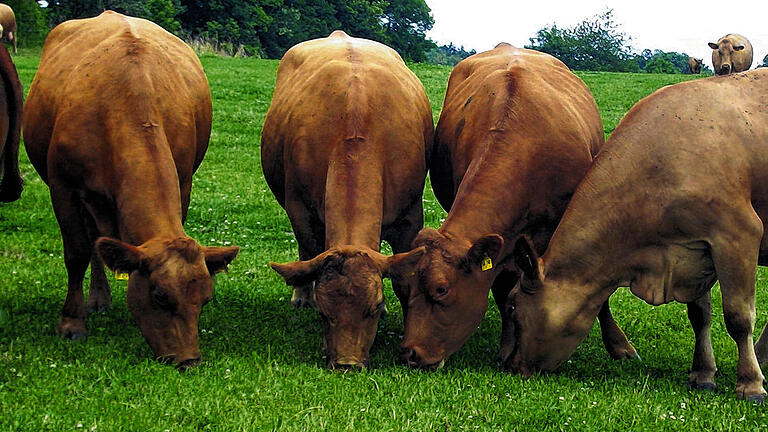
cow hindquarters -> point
(70, 214)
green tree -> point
(164, 13)
(63, 10)
(406, 23)
(448, 55)
(659, 64)
(594, 44)
(31, 22)
(765, 62)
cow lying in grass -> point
(676, 201)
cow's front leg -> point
(614, 339)
(735, 257)
(99, 295)
(703, 370)
(77, 252)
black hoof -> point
(97, 309)
(74, 335)
(705, 386)
(759, 399)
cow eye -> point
(160, 298)
(441, 291)
(380, 307)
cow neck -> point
(148, 198)
(595, 242)
(490, 197)
(354, 195)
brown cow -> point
(674, 202)
(117, 120)
(732, 53)
(694, 65)
(344, 149)
(517, 132)
(8, 25)
(11, 109)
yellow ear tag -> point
(121, 276)
(487, 264)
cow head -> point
(722, 55)
(170, 281)
(548, 320)
(447, 295)
(349, 297)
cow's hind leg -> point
(614, 339)
(99, 294)
(735, 257)
(703, 370)
(310, 236)
(77, 252)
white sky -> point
(671, 25)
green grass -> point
(262, 362)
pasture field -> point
(262, 363)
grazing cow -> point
(517, 132)
(11, 109)
(8, 25)
(694, 65)
(117, 120)
(674, 202)
(732, 53)
(345, 148)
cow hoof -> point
(11, 191)
(626, 352)
(97, 308)
(702, 386)
(753, 394)
(72, 329)
(759, 399)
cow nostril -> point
(409, 356)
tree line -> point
(267, 28)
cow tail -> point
(11, 184)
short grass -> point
(263, 367)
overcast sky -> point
(671, 25)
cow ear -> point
(119, 256)
(218, 258)
(527, 262)
(713, 45)
(301, 272)
(403, 264)
(487, 247)
(738, 47)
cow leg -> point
(761, 347)
(99, 294)
(77, 252)
(703, 370)
(735, 257)
(502, 285)
(400, 236)
(614, 339)
(310, 236)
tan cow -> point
(11, 109)
(517, 132)
(8, 25)
(732, 53)
(344, 149)
(117, 120)
(694, 65)
(675, 201)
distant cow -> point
(517, 132)
(117, 120)
(8, 25)
(732, 53)
(677, 200)
(344, 149)
(11, 109)
(694, 65)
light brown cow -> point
(11, 109)
(117, 120)
(675, 201)
(732, 53)
(517, 132)
(345, 149)
(694, 65)
(8, 25)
